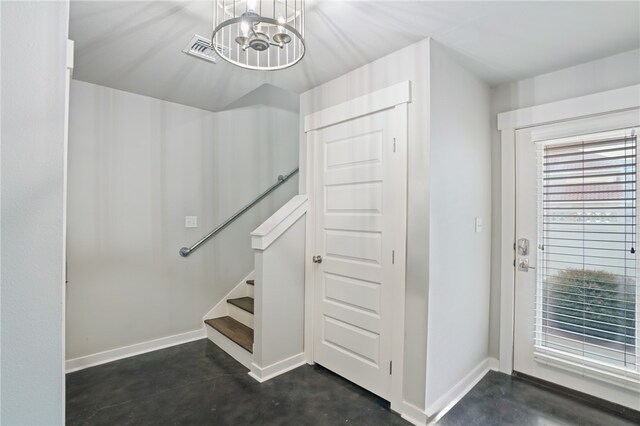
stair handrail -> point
(186, 251)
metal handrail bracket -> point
(186, 251)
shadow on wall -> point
(137, 167)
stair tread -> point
(234, 330)
(245, 303)
(251, 282)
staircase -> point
(272, 342)
(238, 324)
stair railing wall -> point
(279, 246)
(186, 251)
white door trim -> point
(568, 109)
(388, 97)
(396, 97)
(508, 122)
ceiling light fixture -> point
(259, 34)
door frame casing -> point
(611, 101)
(395, 98)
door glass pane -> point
(587, 286)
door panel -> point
(354, 224)
(355, 198)
(353, 245)
(576, 297)
(354, 293)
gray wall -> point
(449, 176)
(137, 167)
(33, 50)
(609, 73)
(279, 297)
(459, 275)
(268, 95)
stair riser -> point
(250, 291)
(241, 315)
(236, 351)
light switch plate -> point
(478, 224)
(191, 221)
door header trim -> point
(597, 103)
(379, 100)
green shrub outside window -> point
(595, 303)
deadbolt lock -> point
(317, 259)
(523, 247)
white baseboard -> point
(443, 404)
(413, 414)
(83, 362)
(494, 364)
(230, 347)
(266, 373)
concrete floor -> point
(500, 399)
(198, 384)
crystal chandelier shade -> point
(259, 34)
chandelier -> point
(259, 34)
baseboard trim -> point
(281, 367)
(99, 358)
(494, 364)
(413, 414)
(443, 404)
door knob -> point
(523, 265)
(317, 259)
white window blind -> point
(587, 281)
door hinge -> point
(390, 367)
(394, 144)
(393, 257)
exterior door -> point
(576, 295)
(356, 211)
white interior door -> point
(357, 225)
(576, 313)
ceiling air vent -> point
(200, 47)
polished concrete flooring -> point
(198, 384)
(500, 399)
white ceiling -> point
(136, 46)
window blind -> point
(587, 294)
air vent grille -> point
(200, 47)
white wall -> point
(137, 166)
(460, 191)
(279, 297)
(449, 177)
(33, 48)
(609, 73)
(268, 95)
(410, 63)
